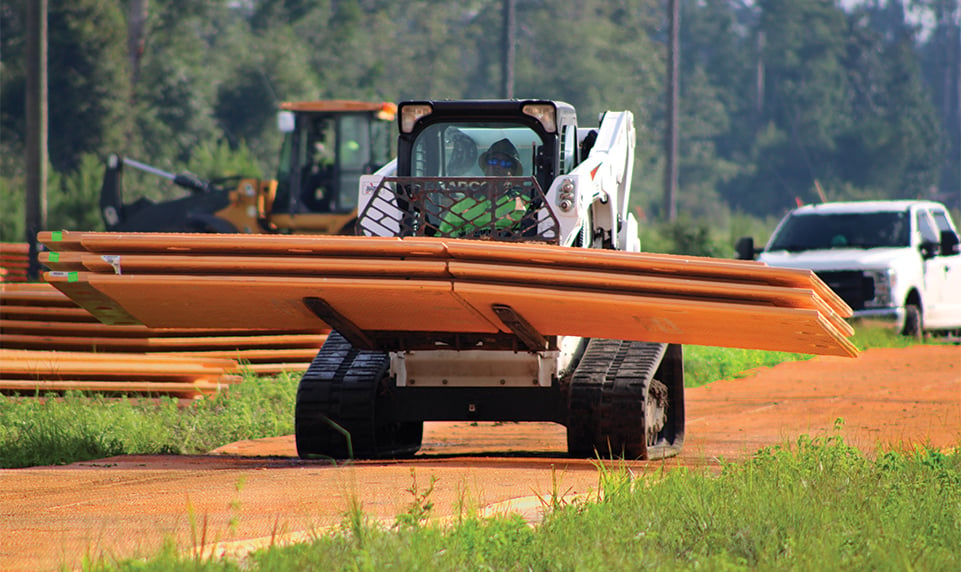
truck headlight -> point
(885, 282)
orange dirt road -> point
(251, 494)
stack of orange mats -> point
(40, 372)
(14, 261)
(385, 288)
(37, 316)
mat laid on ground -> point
(27, 371)
(383, 287)
(37, 316)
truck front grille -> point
(852, 286)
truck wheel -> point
(913, 322)
(627, 400)
(343, 407)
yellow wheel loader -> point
(327, 146)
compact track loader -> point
(553, 182)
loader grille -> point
(511, 209)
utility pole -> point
(673, 57)
(507, 47)
(36, 150)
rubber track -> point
(607, 397)
(340, 384)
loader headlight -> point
(410, 114)
(565, 195)
(544, 113)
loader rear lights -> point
(544, 113)
(387, 111)
(411, 114)
(565, 195)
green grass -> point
(816, 504)
(77, 427)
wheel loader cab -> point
(327, 147)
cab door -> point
(940, 272)
(948, 267)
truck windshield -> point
(816, 231)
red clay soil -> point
(251, 494)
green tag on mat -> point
(72, 277)
(56, 236)
(54, 257)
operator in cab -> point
(501, 160)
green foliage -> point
(212, 161)
(776, 96)
(74, 199)
(47, 430)
(13, 227)
(87, 80)
(685, 236)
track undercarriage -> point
(616, 398)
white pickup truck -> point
(894, 261)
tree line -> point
(781, 101)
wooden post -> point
(671, 137)
(36, 120)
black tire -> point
(343, 407)
(913, 322)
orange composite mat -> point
(37, 316)
(444, 285)
(28, 371)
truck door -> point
(949, 315)
(936, 272)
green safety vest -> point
(470, 215)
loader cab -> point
(327, 146)
(458, 138)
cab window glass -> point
(926, 227)
(459, 149)
(354, 141)
(941, 219)
(381, 144)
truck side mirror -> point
(950, 244)
(745, 248)
(929, 249)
